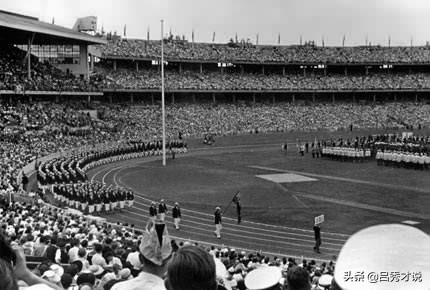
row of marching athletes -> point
(72, 169)
(347, 153)
(93, 197)
(403, 159)
(159, 211)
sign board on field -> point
(319, 219)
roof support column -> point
(180, 68)
(274, 99)
(152, 99)
(283, 70)
(333, 99)
(395, 98)
(114, 64)
(346, 71)
(293, 99)
(201, 68)
(253, 98)
(131, 98)
(313, 97)
(137, 66)
(234, 98)
(262, 69)
(194, 97)
(374, 98)
(173, 98)
(416, 98)
(213, 98)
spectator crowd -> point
(234, 52)
(67, 251)
(129, 78)
(44, 77)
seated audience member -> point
(191, 268)
(155, 252)
(298, 279)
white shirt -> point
(133, 259)
(73, 254)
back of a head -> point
(192, 268)
(7, 280)
(298, 279)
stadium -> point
(286, 140)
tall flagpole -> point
(163, 113)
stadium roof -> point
(17, 29)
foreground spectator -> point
(155, 252)
(192, 268)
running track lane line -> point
(238, 248)
(227, 233)
(238, 230)
(146, 205)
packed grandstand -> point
(61, 141)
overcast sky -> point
(313, 19)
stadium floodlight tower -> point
(163, 109)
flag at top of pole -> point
(163, 111)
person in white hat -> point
(218, 224)
(264, 278)
(384, 257)
(155, 253)
(324, 282)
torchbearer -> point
(176, 214)
(218, 225)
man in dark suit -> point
(317, 233)
(152, 211)
(236, 200)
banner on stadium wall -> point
(319, 219)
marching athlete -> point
(236, 200)
(162, 209)
(218, 225)
(176, 214)
(152, 211)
